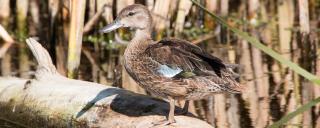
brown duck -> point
(170, 68)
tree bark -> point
(52, 100)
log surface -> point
(51, 100)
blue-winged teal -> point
(170, 68)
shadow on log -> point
(52, 100)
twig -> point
(204, 38)
(91, 59)
(15, 123)
(8, 41)
(92, 22)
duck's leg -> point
(171, 112)
(170, 118)
(185, 107)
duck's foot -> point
(182, 112)
(170, 119)
(163, 122)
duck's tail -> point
(232, 78)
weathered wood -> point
(52, 100)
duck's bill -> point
(110, 27)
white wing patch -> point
(168, 72)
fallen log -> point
(52, 100)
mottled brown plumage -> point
(171, 68)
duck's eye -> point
(130, 13)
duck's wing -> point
(181, 59)
(184, 56)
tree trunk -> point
(306, 51)
(75, 36)
(160, 16)
(24, 64)
(5, 53)
(260, 80)
(184, 8)
(212, 6)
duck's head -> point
(134, 16)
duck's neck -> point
(142, 34)
(139, 43)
